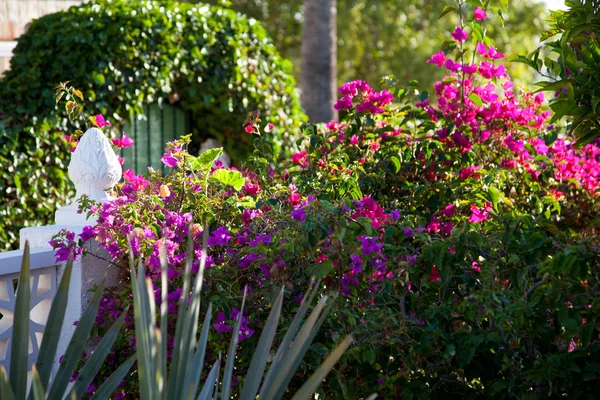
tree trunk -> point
(319, 60)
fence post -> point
(94, 169)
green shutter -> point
(159, 124)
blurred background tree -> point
(394, 37)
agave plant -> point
(188, 359)
(13, 385)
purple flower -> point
(169, 161)
(88, 233)
(395, 214)
(220, 325)
(369, 245)
(299, 214)
(220, 237)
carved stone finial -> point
(94, 169)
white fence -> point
(94, 169)
(43, 288)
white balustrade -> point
(43, 288)
(94, 169)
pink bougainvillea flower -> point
(475, 266)
(124, 142)
(448, 211)
(136, 181)
(479, 214)
(250, 127)
(99, 121)
(345, 103)
(459, 35)
(438, 59)
(300, 159)
(479, 14)
(354, 140)
(434, 224)
(469, 69)
(251, 188)
(469, 171)
(447, 228)
(435, 275)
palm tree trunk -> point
(319, 60)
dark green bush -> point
(213, 63)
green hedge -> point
(124, 55)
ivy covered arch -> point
(212, 63)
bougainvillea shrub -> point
(457, 230)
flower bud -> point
(138, 233)
(164, 191)
(196, 228)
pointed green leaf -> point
(5, 388)
(37, 389)
(263, 349)
(76, 345)
(93, 364)
(114, 380)
(47, 353)
(198, 363)
(310, 386)
(209, 385)
(19, 351)
(228, 372)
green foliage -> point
(570, 70)
(15, 385)
(389, 37)
(123, 55)
(189, 353)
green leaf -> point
(47, 352)
(93, 364)
(396, 163)
(37, 389)
(205, 160)
(494, 196)
(19, 357)
(447, 9)
(228, 372)
(229, 177)
(5, 388)
(319, 270)
(114, 380)
(476, 99)
(310, 386)
(263, 350)
(76, 345)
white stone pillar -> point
(94, 169)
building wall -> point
(15, 15)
